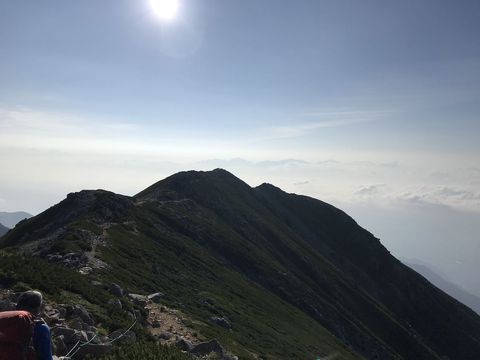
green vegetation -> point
(296, 278)
(147, 351)
(202, 287)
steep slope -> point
(10, 219)
(448, 287)
(3, 230)
(287, 271)
(413, 301)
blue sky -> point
(373, 106)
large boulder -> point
(80, 312)
(165, 335)
(184, 344)
(208, 347)
(140, 300)
(156, 297)
(117, 290)
(69, 336)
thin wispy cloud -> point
(325, 119)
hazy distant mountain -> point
(450, 288)
(10, 219)
(294, 276)
(3, 229)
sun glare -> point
(164, 9)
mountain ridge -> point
(299, 252)
(10, 219)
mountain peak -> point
(192, 184)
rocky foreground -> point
(75, 334)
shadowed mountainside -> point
(296, 277)
(447, 286)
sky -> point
(373, 106)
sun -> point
(164, 9)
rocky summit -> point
(202, 265)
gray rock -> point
(59, 345)
(85, 270)
(138, 299)
(67, 333)
(156, 297)
(70, 336)
(116, 290)
(80, 312)
(115, 303)
(165, 335)
(184, 345)
(208, 347)
(221, 321)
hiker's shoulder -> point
(16, 314)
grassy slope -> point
(203, 287)
(259, 245)
(418, 304)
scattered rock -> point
(184, 345)
(208, 347)
(81, 312)
(138, 299)
(116, 290)
(115, 303)
(67, 333)
(156, 297)
(85, 270)
(221, 321)
(165, 335)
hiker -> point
(23, 335)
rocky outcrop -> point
(221, 321)
(137, 299)
(117, 290)
(156, 297)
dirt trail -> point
(169, 324)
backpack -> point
(16, 331)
